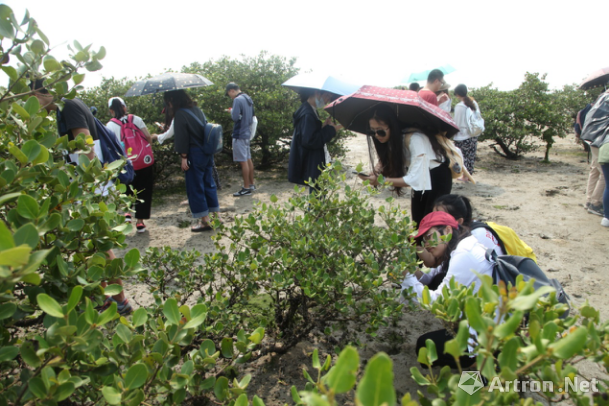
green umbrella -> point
(419, 76)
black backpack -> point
(112, 150)
(508, 267)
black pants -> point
(142, 183)
(440, 337)
(422, 201)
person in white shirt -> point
(444, 100)
(464, 139)
(415, 160)
(459, 256)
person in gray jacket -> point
(242, 114)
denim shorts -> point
(241, 150)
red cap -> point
(436, 218)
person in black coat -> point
(308, 150)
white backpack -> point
(475, 122)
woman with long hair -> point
(459, 256)
(464, 138)
(408, 158)
(308, 152)
(143, 181)
(189, 127)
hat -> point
(119, 99)
(231, 86)
(436, 218)
(445, 86)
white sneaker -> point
(252, 187)
(605, 222)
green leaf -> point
(509, 327)
(111, 395)
(32, 105)
(418, 377)
(171, 312)
(8, 353)
(113, 290)
(78, 78)
(42, 36)
(570, 345)
(316, 363)
(28, 207)
(37, 46)
(527, 302)
(341, 376)
(101, 54)
(28, 353)
(136, 376)
(6, 29)
(195, 321)
(42, 157)
(20, 110)
(140, 316)
(295, 397)
(93, 66)
(11, 72)
(64, 391)
(37, 387)
(221, 388)
(472, 310)
(257, 335)
(27, 235)
(208, 348)
(75, 225)
(31, 149)
(8, 198)
(241, 400)
(256, 401)
(6, 237)
(227, 347)
(15, 257)
(313, 399)
(508, 358)
(16, 152)
(132, 258)
(124, 333)
(107, 315)
(376, 386)
(49, 305)
(51, 65)
(74, 298)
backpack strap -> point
(480, 224)
(117, 121)
(130, 118)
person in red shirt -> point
(435, 80)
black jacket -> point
(307, 150)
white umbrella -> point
(317, 81)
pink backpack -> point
(137, 147)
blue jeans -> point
(605, 169)
(200, 185)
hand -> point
(154, 137)
(372, 178)
(329, 121)
(159, 125)
(443, 97)
(185, 166)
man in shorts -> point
(242, 114)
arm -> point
(311, 136)
(147, 134)
(85, 131)
(166, 135)
(236, 110)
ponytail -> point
(117, 108)
(461, 91)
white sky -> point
(376, 42)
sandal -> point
(200, 227)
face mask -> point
(319, 102)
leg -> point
(240, 154)
(251, 172)
(245, 173)
(593, 190)
(216, 176)
(605, 169)
(195, 187)
(211, 194)
(417, 207)
(143, 183)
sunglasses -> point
(432, 235)
(381, 133)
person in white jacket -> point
(460, 256)
(464, 139)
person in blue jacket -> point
(308, 153)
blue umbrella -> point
(419, 76)
(318, 81)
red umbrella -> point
(354, 111)
(596, 78)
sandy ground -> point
(542, 202)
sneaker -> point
(252, 187)
(127, 218)
(598, 210)
(586, 205)
(605, 222)
(124, 308)
(141, 227)
(243, 192)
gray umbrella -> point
(166, 82)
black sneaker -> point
(243, 192)
(598, 210)
(252, 187)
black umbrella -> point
(166, 82)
